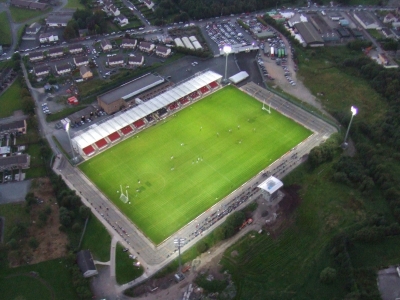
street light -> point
(179, 242)
(227, 49)
(67, 126)
(353, 113)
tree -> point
(201, 247)
(84, 212)
(16, 57)
(76, 227)
(327, 275)
(65, 217)
(28, 105)
(16, 66)
(220, 233)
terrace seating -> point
(139, 123)
(214, 85)
(114, 136)
(149, 119)
(100, 144)
(126, 130)
(184, 100)
(194, 95)
(204, 90)
(89, 150)
(173, 106)
(161, 112)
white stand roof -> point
(99, 131)
(271, 185)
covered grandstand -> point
(117, 98)
(101, 136)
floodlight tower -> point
(226, 49)
(179, 242)
(67, 127)
(353, 113)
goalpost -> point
(265, 108)
(122, 197)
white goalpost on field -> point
(265, 108)
(122, 197)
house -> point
(114, 10)
(105, 45)
(36, 56)
(18, 127)
(58, 20)
(146, 46)
(86, 264)
(85, 72)
(163, 51)
(83, 32)
(48, 37)
(366, 20)
(136, 60)
(389, 18)
(38, 6)
(20, 3)
(149, 4)
(122, 20)
(75, 49)
(15, 162)
(81, 61)
(128, 43)
(116, 60)
(63, 69)
(383, 58)
(33, 28)
(56, 52)
(41, 71)
(387, 32)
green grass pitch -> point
(179, 168)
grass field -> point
(124, 268)
(74, 4)
(21, 15)
(10, 100)
(5, 30)
(97, 239)
(179, 168)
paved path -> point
(14, 191)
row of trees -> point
(94, 21)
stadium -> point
(163, 165)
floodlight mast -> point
(179, 242)
(67, 127)
(226, 49)
(354, 111)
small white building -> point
(48, 37)
(75, 49)
(41, 71)
(146, 46)
(149, 4)
(105, 45)
(81, 61)
(86, 263)
(128, 43)
(114, 10)
(36, 56)
(56, 52)
(116, 60)
(63, 69)
(163, 51)
(122, 20)
(136, 60)
(33, 28)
